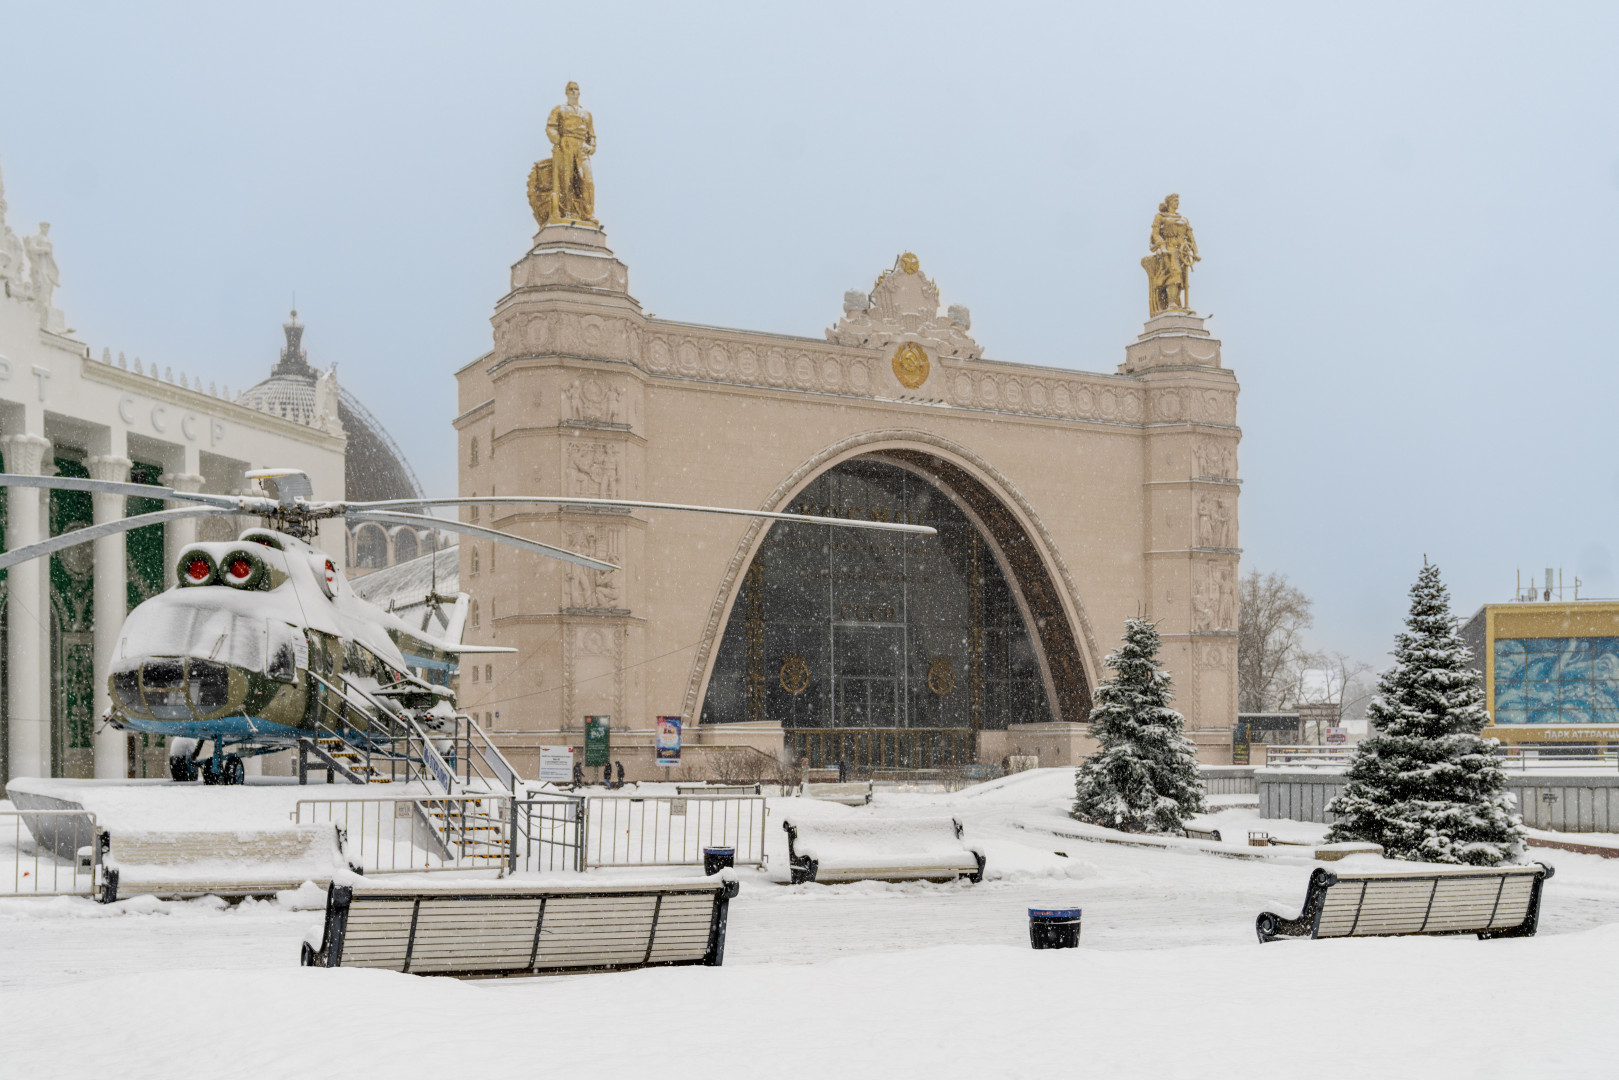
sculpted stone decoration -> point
(593, 470)
(903, 309)
(1169, 267)
(592, 401)
(43, 275)
(1216, 523)
(1214, 601)
(1215, 457)
(593, 589)
(561, 191)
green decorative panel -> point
(143, 548)
(72, 569)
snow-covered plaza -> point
(866, 979)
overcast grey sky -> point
(1406, 212)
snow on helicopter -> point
(261, 643)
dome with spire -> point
(375, 468)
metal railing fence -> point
(665, 830)
(862, 751)
(48, 852)
(1513, 758)
(418, 834)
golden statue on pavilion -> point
(1169, 267)
(561, 190)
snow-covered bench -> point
(495, 928)
(218, 862)
(853, 793)
(888, 849)
(1419, 898)
(1194, 833)
(718, 789)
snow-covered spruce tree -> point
(1426, 784)
(1144, 778)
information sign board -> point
(556, 764)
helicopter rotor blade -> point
(627, 504)
(110, 528)
(421, 520)
(138, 491)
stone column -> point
(110, 606)
(178, 535)
(28, 614)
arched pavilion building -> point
(1065, 502)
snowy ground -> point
(856, 980)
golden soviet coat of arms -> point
(795, 674)
(911, 365)
(941, 675)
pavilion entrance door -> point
(868, 685)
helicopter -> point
(261, 643)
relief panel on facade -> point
(594, 590)
(595, 470)
(1214, 597)
(1216, 521)
(592, 400)
(1214, 457)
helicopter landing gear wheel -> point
(234, 772)
(182, 769)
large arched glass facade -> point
(877, 649)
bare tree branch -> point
(1271, 657)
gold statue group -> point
(562, 192)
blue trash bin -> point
(1054, 928)
(716, 859)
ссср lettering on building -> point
(1065, 502)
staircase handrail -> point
(479, 740)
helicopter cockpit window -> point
(126, 687)
(164, 682)
(210, 684)
(283, 652)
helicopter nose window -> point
(210, 684)
(126, 687)
(165, 689)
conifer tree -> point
(1144, 778)
(1426, 784)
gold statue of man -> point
(561, 191)
(1169, 267)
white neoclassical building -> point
(65, 411)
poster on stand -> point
(668, 744)
(598, 733)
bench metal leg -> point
(1271, 926)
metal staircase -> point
(366, 737)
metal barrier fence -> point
(414, 834)
(863, 750)
(49, 852)
(1519, 758)
(1308, 755)
(666, 830)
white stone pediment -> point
(904, 307)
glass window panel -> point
(1509, 696)
(1541, 695)
(1543, 645)
(1605, 693)
(1509, 662)
(1574, 667)
(1545, 716)
(1510, 716)
(1541, 666)
(1605, 663)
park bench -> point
(902, 849)
(497, 928)
(1194, 833)
(852, 793)
(1420, 898)
(718, 789)
(231, 863)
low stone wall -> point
(1562, 801)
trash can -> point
(716, 859)
(1054, 928)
